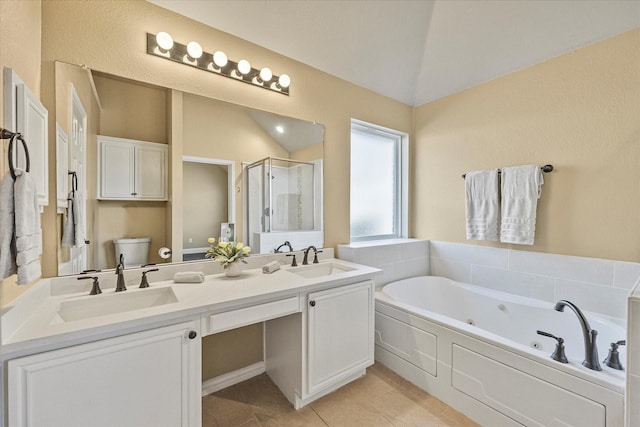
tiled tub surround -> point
(633, 364)
(398, 258)
(593, 284)
(453, 340)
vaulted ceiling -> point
(416, 51)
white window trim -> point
(402, 190)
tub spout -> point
(590, 348)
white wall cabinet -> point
(328, 345)
(150, 378)
(132, 170)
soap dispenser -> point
(613, 359)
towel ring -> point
(10, 154)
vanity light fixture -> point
(163, 46)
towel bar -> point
(545, 169)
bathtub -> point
(478, 350)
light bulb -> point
(164, 40)
(220, 59)
(280, 129)
(266, 74)
(284, 81)
(244, 67)
(194, 50)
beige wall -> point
(579, 112)
(20, 49)
(136, 111)
(205, 198)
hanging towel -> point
(521, 187)
(482, 202)
(78, 201)
(28, 232)
(8, 264)
(73, 233)
(68, 233)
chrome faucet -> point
(590, 348)
(120, 286)
(287, 244)
(305, 260)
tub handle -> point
(558, 355)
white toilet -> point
(135, 250)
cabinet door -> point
(340, 334)
(117, 165)
(149, 378)
(151, 171)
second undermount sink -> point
(320, 270)
(105, 304)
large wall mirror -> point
(216, 141)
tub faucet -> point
(287, 244)
(590, 335)
(120, 286)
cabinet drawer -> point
(214, 323)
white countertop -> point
(32, 322)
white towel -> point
(521, 188)
(482, 204)
(8, 264)
(69, 231)
(28, 231)
(73, 232)
(78, 201)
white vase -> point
(234, 269)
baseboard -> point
(226, 380)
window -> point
(378, 182)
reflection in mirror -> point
(281, 205)
(216, 132)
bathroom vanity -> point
(134, 358)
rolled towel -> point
(189, 277)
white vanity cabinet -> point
(149, 378)
(326, 346)
(132, 170)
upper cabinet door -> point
(151, 171)
(132, 170)
(117, 177)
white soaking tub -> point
(478, 350)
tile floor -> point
(380, 398)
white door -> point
(150, 378)
(77, 163)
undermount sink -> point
(102, 305)
(320, 270)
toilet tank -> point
(134, 249)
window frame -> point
(401, 191)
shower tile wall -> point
(597, 285)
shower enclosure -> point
(281, 202)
